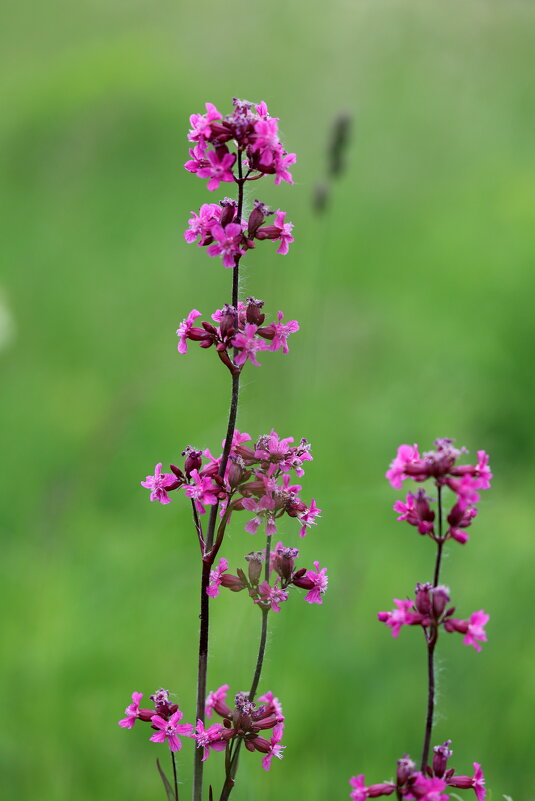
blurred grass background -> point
(415, 296)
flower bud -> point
(232, 583)
(423, 598)
(228, 213)
(441, 754)
(404, 770)
(255, 560)
(441, 598)
(193, 460)
(227, 325)
(236, 471)
(253, 313)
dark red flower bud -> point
(146, 714)
(177, 471)
(253, 313)
(232, 583)
(255, 561)
(193, 460)
(441, 598)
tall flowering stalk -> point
(253, 476)
(430, 609)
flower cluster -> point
(218, 228)
(240, 335)
(270, 595)
(244, 722)
(257, 479)
(253, 132)
(164, 717)
(414, 785)
(429, 610)
(441, 466)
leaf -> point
(168, 788)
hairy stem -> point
(231, 773)
(208, 557)
(431, 637)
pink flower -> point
(274, 706)
(201, 224)
(476, 782)
(202, 491)
(426, 789)
(483, 470)
(211, 738)
(396, 472)
(248, 344)
(267, 137)
(282, 332)
(262, 109)
(184, 328)
(271, 597)
(320, 580)
(159, 484)
(271, 447)
(217, 700)
(219, 168)
(416, 511)
(476, 631)
(170, 730)
(131, 712)
(308, 517)
(360, 791)
(226, 243)
(402, 616)
(282, 162)
(215, 578)
(276, 749)
(285, 234)
(200, 123)
(198, 158)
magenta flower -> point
(476, 782)
(275, 748)
(248, 344)
(308, 517)
(281, 163)
(184, 328)
(320, 581)
(483, 471)
(402, 616)
(215, 578)
(405, 456)
(159, 484)
(428, 789)
(274, 706)
(131, 712)
(267, 136)
(219, 168)
(262, 109)
(281, 332)
(285, 234)
(200, 123)
(226, 243)
(210, 738)
(416, 511)
(218, 700)
(271, 597)
(201, 224)
(198, 158)
(202, 491)
(170, 730)
(476, 629)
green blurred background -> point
(415, 296)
